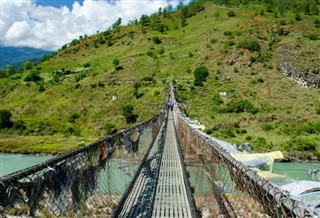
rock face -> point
(300, 63)
(305, 77)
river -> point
(10, 163)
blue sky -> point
(57, 3)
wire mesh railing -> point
(86, 182)
(224, 186)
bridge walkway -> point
(160, 190)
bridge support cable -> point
(226, 187)
(85, 182)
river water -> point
(295, 170)
(10, 163)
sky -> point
(49, 24)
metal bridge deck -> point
(159, 190)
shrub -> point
(150, 54)
(183, 21)
(172, 57)
(317, 23)
(144, 20)
(156, 40)
(298, 17)
(227, 33)
(252, 59)
(40, 87)
(200, 75)
(161, 51)
(69, 130)
(241, 131)
(283, 22)
(115, 62)
(136, 92)
(251, 45)
(280, 32)
(217, 99)
(5, 119)
(149, 79)
(313, 36)
(109, 128)
(212, 41)
(86, 64)
(267, 127)
(227, 133)
(260, 141)
(119, 68)
(19, 125)
(80, 76)
(317, 108)
(72, 118)
(239, 106)
(231, 13)
(260, 80)
(127, 112)
(303, 144)
(32, 77)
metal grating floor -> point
(159, 190)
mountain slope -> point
(14, 56)
(242, 53)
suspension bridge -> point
(145, 171)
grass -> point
(40, 144)
(214, 40)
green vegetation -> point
(32, 77)
(97, 84)
(128, 113)
(5, 119)
(251, 45)
(200, 75)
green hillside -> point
(66, 100)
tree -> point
(27, 65)
(74, 42)
(200, 75)
(3, 73)
(117, 23)
(127, 112)
(5, 119)
(160, 11)
(314, 9)
(20, 70)
(183, 21)
(144, 20)
(115, 62)
(10, 70)
(32, 77)
(306, 8)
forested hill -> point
(247, 71)
(15, 56)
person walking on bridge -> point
(169, 105)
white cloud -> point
(24, 23)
